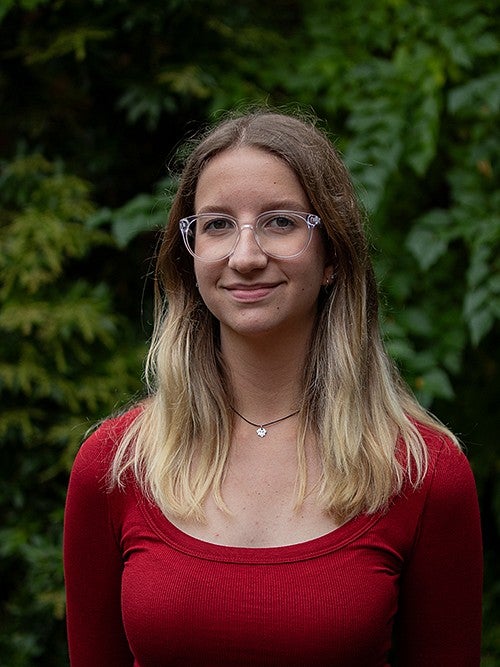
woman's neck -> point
(266, 377)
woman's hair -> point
(354, 402)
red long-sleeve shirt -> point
(396, 588)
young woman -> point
(279, 498)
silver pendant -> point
(261, 431)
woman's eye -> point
(280, 223)
(218, 225)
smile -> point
(250, 293)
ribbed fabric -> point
(402, 587)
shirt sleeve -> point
(93, 565)
(439, 618)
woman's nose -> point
(247, 254)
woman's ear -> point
(327, 276)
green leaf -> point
(426, 246)
(72, 40)
(141, 214)
(478, 96)
(479, 324)
(435, 383)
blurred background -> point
(97, 96)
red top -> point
(401, 587)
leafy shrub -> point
(65, 360)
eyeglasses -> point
(212, 237)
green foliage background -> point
(96, 96)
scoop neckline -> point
(198, 548)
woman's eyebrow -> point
(272, 205)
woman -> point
(279, 498)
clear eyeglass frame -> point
(185, 225)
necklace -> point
(261, 428)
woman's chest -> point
(260, 518)
(328, 610)
(264, 506)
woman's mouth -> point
(251, 292)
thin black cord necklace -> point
(261, 428)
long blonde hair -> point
(354, 402)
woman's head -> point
(254, 214)
(324, 178)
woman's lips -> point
(251, 292)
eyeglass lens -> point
(279, 234)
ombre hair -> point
(364, 420)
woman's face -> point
(250, 293)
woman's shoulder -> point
(438, 441)
(97, 450)
(446, 492)
(449, 470)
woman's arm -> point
(92, 566)
(439, 622)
